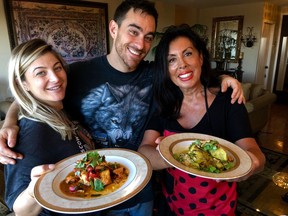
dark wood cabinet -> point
(237, 74)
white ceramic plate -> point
(180, 142)
(48, 194)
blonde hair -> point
(30, 107)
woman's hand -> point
(149, 148)
(257, 157)
(158, 140)
(257, 165)
(25, 203)
(36, 172)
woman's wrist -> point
(30, 194)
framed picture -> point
(78, 30)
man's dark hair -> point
(138, 5)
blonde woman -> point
(38, 81)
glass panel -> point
(226, 34)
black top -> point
(223, 119)
(39, 144)
(113, 105)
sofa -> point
(258, 104)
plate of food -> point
(93, 181)
(205, 156)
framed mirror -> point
(226, 38)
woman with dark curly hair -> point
(189, 102)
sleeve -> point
(229, 121)
(16, 181)
(238, 124)
(32, 137)
(17, 177)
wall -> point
(5, 50)
(284, 10)
(253, 14)
(4, 54)
(165, 19)
(187, 15)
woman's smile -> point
(186, 76)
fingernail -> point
(51, 166)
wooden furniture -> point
(237, 74)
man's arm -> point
(237, 94)
(8, 136)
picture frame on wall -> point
(78, 30)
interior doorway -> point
(282, 75)
(264, 71)
(281, 72)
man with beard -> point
(112, 95)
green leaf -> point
(97, 185)
(94, 158)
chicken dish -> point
(93, 176)
(206, 155)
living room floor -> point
(264, 196)
(274, 136)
